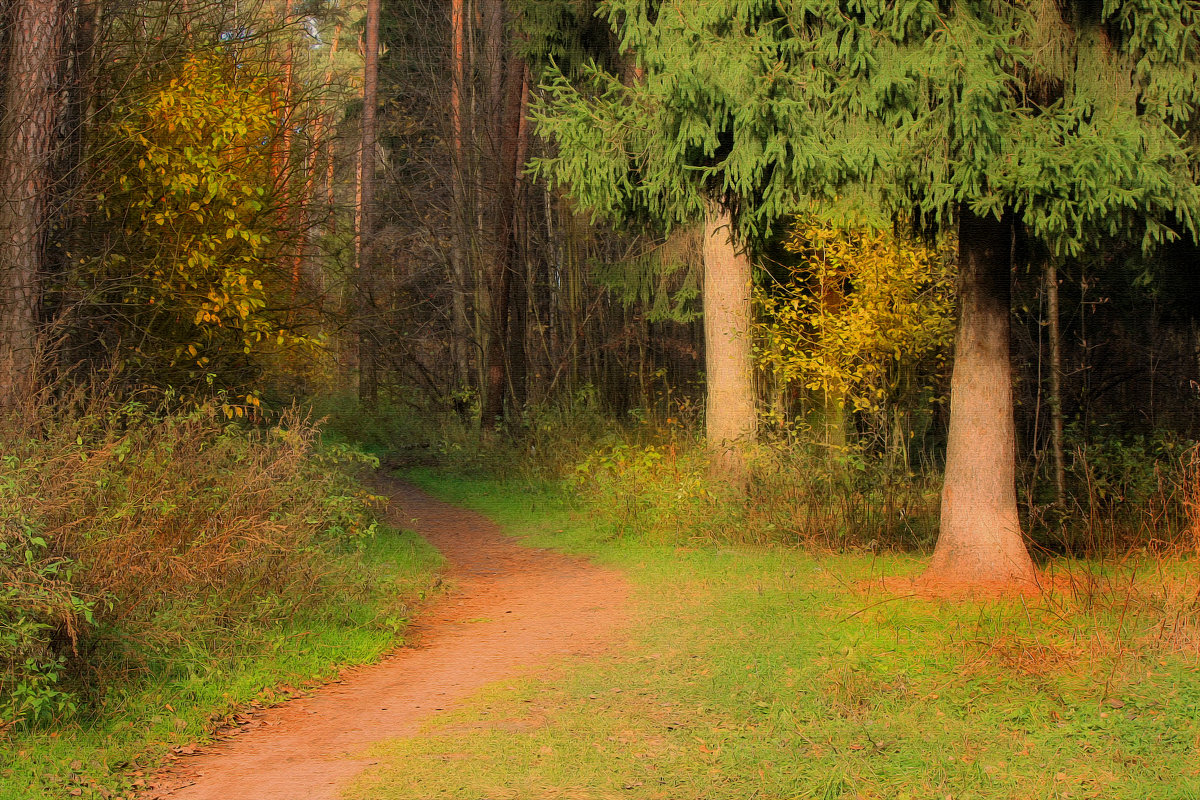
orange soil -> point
(510, 608)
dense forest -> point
(910, 280)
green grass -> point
(199, 684)
(757, 673)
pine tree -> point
(29, 107)
(1055, 120)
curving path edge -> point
(510, 607)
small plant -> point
(41, 622)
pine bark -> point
(508, 83)
(368, 347)
(1055, 397)
(980, 542)
(27, 117)
(730, 420)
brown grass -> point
(125, 532)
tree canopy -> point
(1078, 116)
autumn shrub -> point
(660, 488)
(852, 498)
(860, 324)
(127, 533)
(652, 492)
(192, 203)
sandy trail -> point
(511, 607)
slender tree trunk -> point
(499, 276)
(460, 212)
(518, 359)
(1055, 398)
(293, 210)
(511, 86)
(368, 386)
(322, 124)
(980, 541)
(730, 420)
(27, 116)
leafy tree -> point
(189, 207)
(1005, 118)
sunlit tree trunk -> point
(730, 420)
(980, 540)
(27, 117)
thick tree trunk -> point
(35, 44)
(368, 385)
(730, 420)
(980, 542)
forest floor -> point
(509, 609)
(673, 671)
(782, 674)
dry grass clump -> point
(123, 531)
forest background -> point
(618, 247)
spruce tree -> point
(1055, 120)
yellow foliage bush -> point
(865, 317)
(191, 201)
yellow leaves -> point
(859, 313)
(193, 179)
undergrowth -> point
(157, 569)
(647, 476)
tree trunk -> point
(511, 88)
(980, 541)
(1055, 398)
(35, 44)
(460, 211)
(730, 420)
(368, 386)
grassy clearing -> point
(781, 674)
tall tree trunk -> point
(460, 212)
(730, 420)
(368, 347)
(293, 210)
(980, 541)
(518, 359)
(322, 123)
(35, 44)
(511, 88)
(1056, 414)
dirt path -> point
(511, 607)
